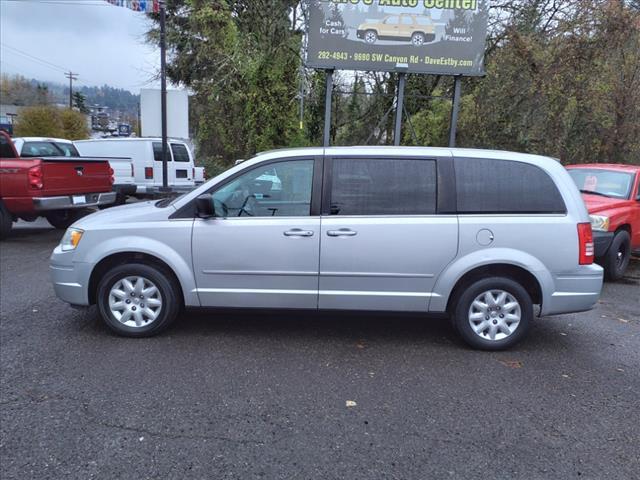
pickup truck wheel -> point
(63, 219)
(418, 39)
(617, 258)
(6, 222)
(137, 300)
(371, 36)
(493, 313)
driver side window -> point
(281, 189)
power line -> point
(33, 58)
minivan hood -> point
(597, 203)
(134, 213)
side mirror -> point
(204, 207)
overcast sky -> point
(100, 42)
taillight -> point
(133, 173)
(204, 173)
(585, 243)
(35, 177)
(193, 172)
(148, 173)
(111, 171)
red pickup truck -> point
(57, 188)
(611, 193)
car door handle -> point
(343, 232)
(297, 232)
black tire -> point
(63, 219)
(162, 280)
(371, 36)
(616, 260)
(6, 222)
(462, 308)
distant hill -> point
(18, 90)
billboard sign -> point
(445, 37)
(177, 113)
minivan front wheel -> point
(493, 313)
(137, 300)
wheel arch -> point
(123, 258)
(626, 227)
(520, 275)
(492, 262)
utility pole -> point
(71, 76)
(163, 94)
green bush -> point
(48, 121)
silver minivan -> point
(488, 238)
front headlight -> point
(71, 239)
(599, 223)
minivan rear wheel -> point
(493, 313)
(137, 300)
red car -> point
(611, 193)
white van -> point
(146, 154)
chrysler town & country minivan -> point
(482, 236)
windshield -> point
(607, 183)
(49, 149)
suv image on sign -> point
(417, 29)
(482, 236)
(611, 193)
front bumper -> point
(68, 202)
(602, 242)
(70, 279)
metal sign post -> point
(327, 108)
(455, 109)
(397, 135)
(159, 7)
(163, 95)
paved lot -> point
(240, 396)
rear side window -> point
(68, 150)
(41, 149)
(157, 152)
(499, 186)
(386, 186)
(180, 152)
